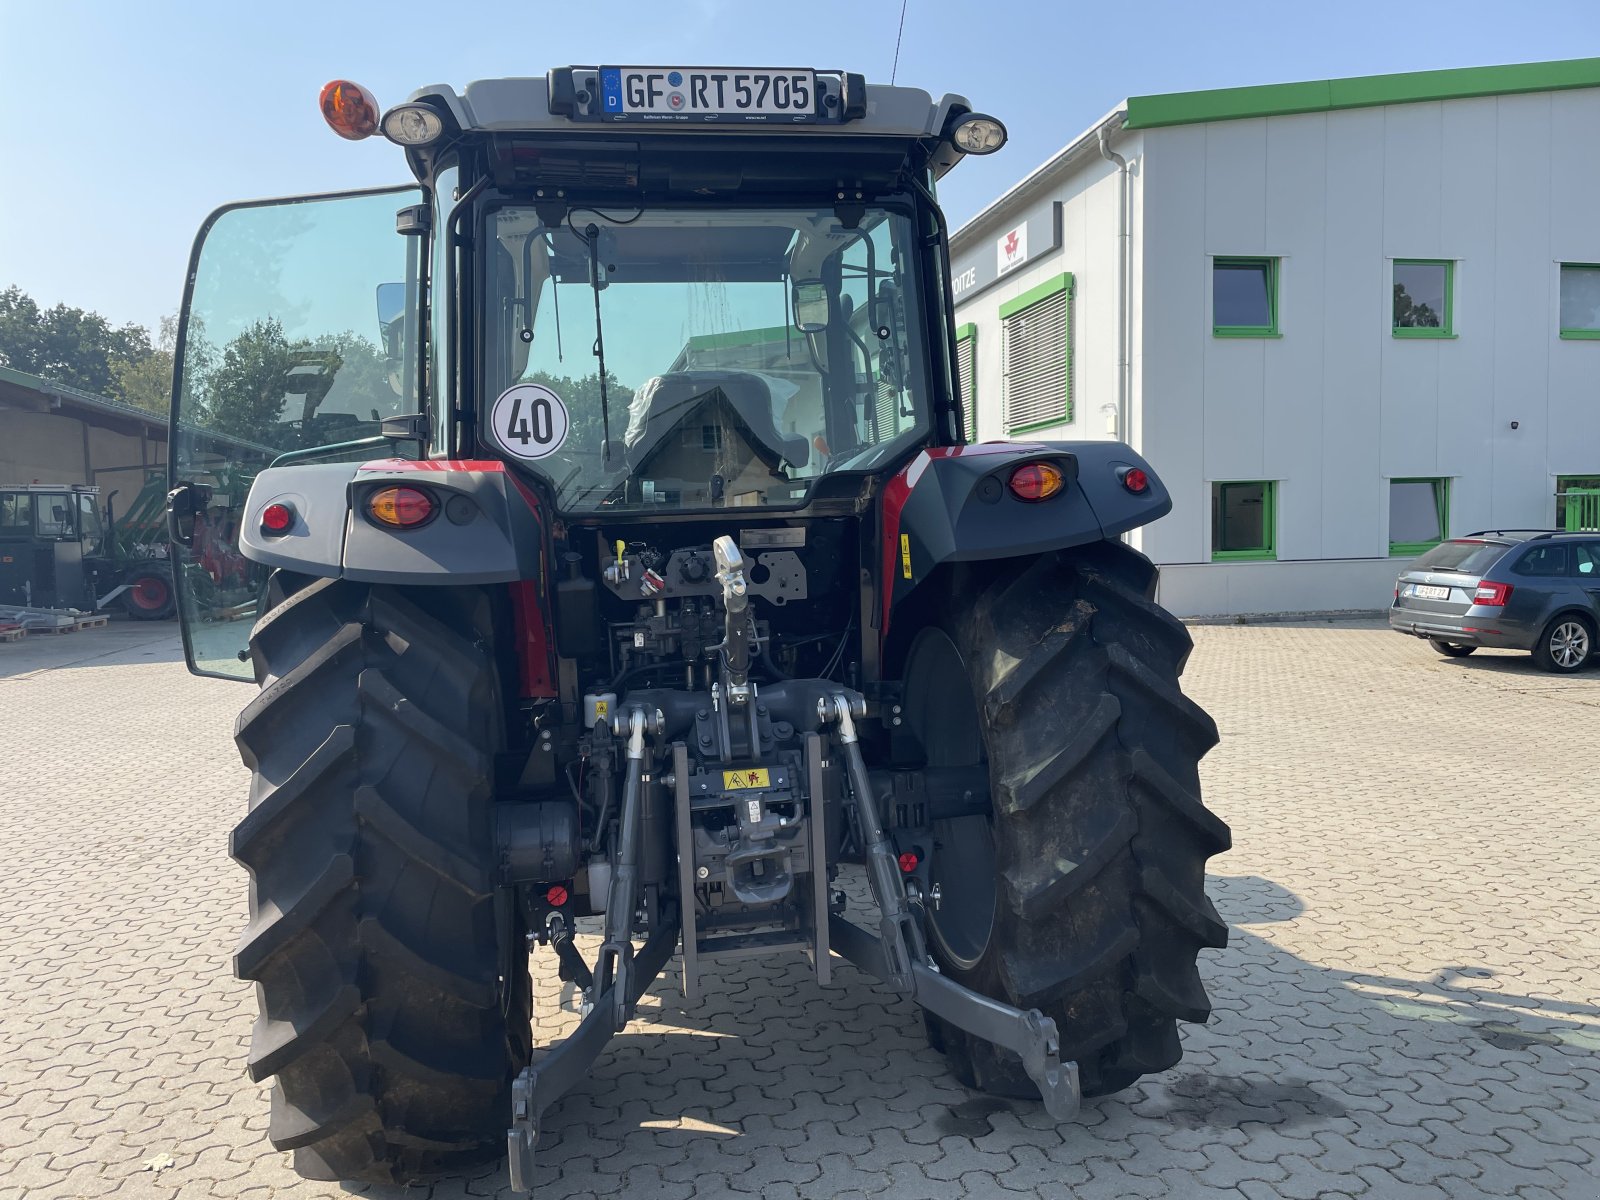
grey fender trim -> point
(493, 537)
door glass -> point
(1586, 561)
(284, 360)
(1543, 561)
(52, 512)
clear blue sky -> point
(126, 123)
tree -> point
(581, 396)
(147, 382)
(70, 346)
(1408, 314)
(287, 393)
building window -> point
(967, 379)
(1244, 297)
(1580, 300)
(1578, 503)
(1419, 515)
(1423, 303)
(1036, 357)
(1244, 520)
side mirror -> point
(391, 312)
(812, 312)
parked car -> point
(1514, 589)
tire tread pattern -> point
(372, 940)
(1101, 837)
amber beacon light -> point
(349, 109)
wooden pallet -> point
(94, 622)
(12, 633)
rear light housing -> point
(401, 507)
(276, 519)
(1491, 594)
(1036, 481)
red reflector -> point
(1491, 594)
(402, 507)
(349, 109)
(908, 863)
(276, 518)
(1135, 480)
(556, 896)
(1036, 481)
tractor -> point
(674, 637)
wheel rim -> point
(149, 592)
(941, 711)
(1569, 644)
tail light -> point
(276, 519)
(349, 110)
(1037, 481)
(401, 507)
(1491, 594)
(1136, 481)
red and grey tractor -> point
(679, 634)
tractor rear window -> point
(1468, 557)
(748, 352)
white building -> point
(1341, 319)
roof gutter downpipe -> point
(1124, 291)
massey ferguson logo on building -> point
(1011, 249)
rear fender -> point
(953, 504)
(493, 538)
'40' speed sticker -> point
(529, 420)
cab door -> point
(281, 358)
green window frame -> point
(1447, 325)
(1033, 370)
(1271, 266)
(1441, 504)
(967, 378)
(1220, 493)
(1577, 333)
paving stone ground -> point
(1409, 1008)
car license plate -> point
(1428, 591)
(708, 94)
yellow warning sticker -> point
(601, 708)
(743, 781)
(905, 555)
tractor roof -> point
(567, 100)
(524, 104)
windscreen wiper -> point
(591, 233)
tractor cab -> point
(646, 292)
(46, 534)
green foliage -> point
(1408, 314)
(70, 346)
(287, 393)
(581, 395)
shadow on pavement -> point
(118, 643)
(769, 1061)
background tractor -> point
(637, 570)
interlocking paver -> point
(1409, 1007)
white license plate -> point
(1429, 591)
(708, 93)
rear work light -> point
(349, 110)
(1037, 481)
(401, 507)
(1491, 594)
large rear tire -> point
(391, 1014)
(1082, 892)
